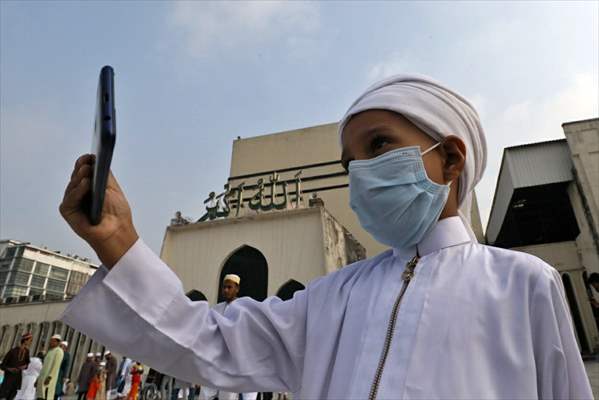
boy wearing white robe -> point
(437, 316)
(30, 374)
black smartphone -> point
(103, 141)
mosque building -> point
(282, 219)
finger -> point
(74, 197)
(85, 171)
(83, 160)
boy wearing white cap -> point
(437, 316)
(48, 377)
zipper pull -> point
(408, 273)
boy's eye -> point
(378, 143)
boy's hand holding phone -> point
(115, 233)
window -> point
(38, 281)
(55, 285)
(24, 264)
(15, 291)
(18, 277)
(59, 273)
(3, 276)
(54, 296)
(76, 281)
(10, 252)
(4, 266)
(34, 292)
(41, 268)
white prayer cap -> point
(232, 278)
(65, 343)
(57, 337)
(90, 354)
(103, 364)
(98, 354)
(106, 352)
(439, 112)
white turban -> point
(439, 112)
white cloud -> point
(209, 26)
(396, 64)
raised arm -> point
(135, 305)
(139, 309)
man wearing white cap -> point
(229, 291)
(87, 372)
(437, 316)
(110, 370)
(64, 366)
(46, 381)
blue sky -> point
(192, 76)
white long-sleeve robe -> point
(208, 393)
(476, 322)
(30, 374)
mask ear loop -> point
(430, 149)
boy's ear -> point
(454, 151)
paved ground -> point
(593, 372)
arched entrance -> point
(252, 268)
(288, 289)
(574, 311)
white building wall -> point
(292, 242)
(583, 142)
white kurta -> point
(30, 374)
(475, 322)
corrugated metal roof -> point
(529, 165)
(545, 163)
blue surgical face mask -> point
(393, 197)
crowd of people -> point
(44, 377)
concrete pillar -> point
(45, 334)
(19, 330)
(586, 312)
(589, 257)
(7, 338)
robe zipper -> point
(406, 276)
